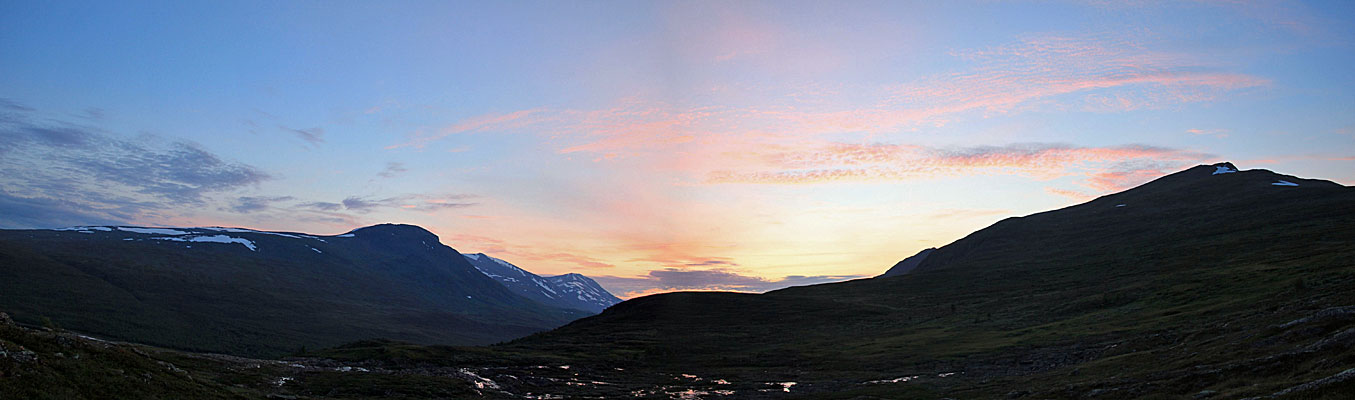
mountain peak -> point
(1197, 202)
(405, 230)
(570, 290)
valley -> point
(1196, 284)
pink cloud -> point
(1049, 67)
(1106, 167)
(1111, 74)
(1217, 133)
(496, 121)
(1071, 194)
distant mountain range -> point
(252, 292)
(1208, 283)
(566, 291)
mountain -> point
(584, 290)
(908, 264)
(565, 291)
(257, 293)
(1185, 213)
(1207, 282)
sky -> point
(654, 146)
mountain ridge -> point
(1174, 196)
(571, 290)
(249, 292)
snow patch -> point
(473, 257)
(1285, 183)
(92, 338)
(346, 235)
(212, 239)
(154, 231)
(1119, 205)
(543, 286)
(508, 265)
(1219, 169)
(242, 230)
(86, 228)
(895, 380)
(317, 250)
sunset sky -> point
(654, 146)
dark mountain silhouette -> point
(1183, 285)
(259, 293)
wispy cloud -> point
(314, 136)
(1217, 133)
(393, 169)
(1071, 194)
(413, 202)
(718, 143)
(873, 162)
(11, 105)
(496, 121)
(110, 177)
(321, 205)
(49, 212)
(251, 204)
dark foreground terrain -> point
(1197, 285)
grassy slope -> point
(44, 364)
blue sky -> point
(657, 145)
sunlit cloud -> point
(1074, 195)
(874, 162)
(720, 144)
(726, 145)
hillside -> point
(908, 264)
(1234, 284)
(565, 291)
(259, 293)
